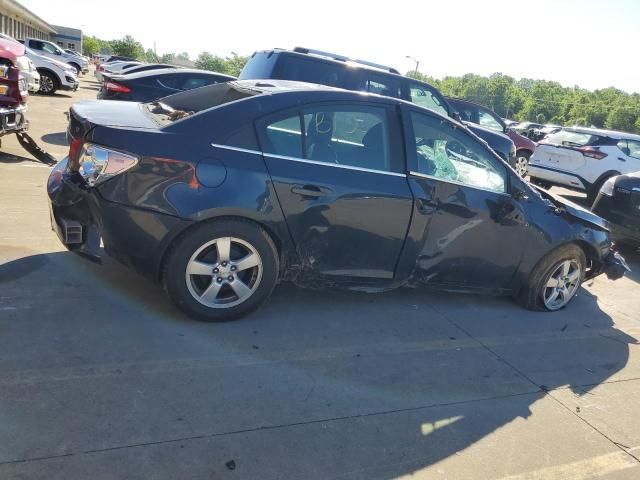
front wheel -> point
(77, 69)
(554, 282)
(221, 270)
(48, 83)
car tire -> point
(520, 163)
(558, 275)
(77, 69)
(48, 83)
(210, 285)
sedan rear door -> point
(338, 173)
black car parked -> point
(143, 68)
(153, 84)
(314, 66)
(619, 203)
(221, 191)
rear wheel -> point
(521, 163)
(221, 270)
(48, 83)
(555, 280)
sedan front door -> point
(467, 231)
(338, 173)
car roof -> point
(168, 71)
(347, 62)
(604, 133)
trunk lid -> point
(84, 116)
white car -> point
(584, 158)
(54, 75)
(51, 50)
(119, 66)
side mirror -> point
(456, 116)
(58, 52)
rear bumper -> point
(85, 223)
(13, 120)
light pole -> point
(417, 64)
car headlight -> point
(607, 187)
(97, 164)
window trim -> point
(397, 153)
(412, 162)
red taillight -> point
(116, 87)
(74, 153)
(592, 152)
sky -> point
(593, 44)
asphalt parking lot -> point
(101, 377)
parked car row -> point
(218, 192)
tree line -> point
(525, 99)
(543, 101)
(130, 47)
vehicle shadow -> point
(409, 377)
(9, 158)
(59, 138)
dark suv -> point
(476, 113)
(314, 66)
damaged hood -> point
(573, 209)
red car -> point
(475, 113)
(14, 91)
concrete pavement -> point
(100, 377)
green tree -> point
(209, 61)
(183, 56)
(90, 45)
(128, 47)
(621, 118)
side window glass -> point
(447, 153)
(487, 120)
(283, 137)
(357, 136)
(634, 148)
(425, 98)
(387, 86)
(622, 145)
(48, 48)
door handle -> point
(312, 191)
(427, 207)
(622, 159)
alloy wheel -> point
(562, 284)
(521, 165)
(224, 272)
(46, 84)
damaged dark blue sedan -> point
(219, 193)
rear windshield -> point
(208, 97)
(187, 103)
(259, 66)
(569, 138)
